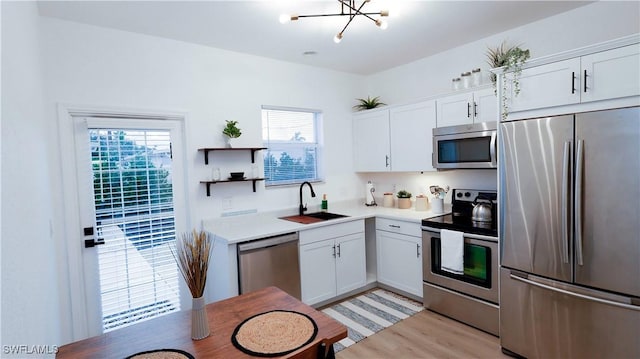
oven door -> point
(465, 150)
(480, 276)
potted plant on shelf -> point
(511, 58)
(232, 131)
(368, 103)
(404, 199)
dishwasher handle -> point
(268, 242)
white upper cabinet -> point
(611, 74)
(397, 139)
(411, 136)
(555, 84)
(603, 75)
(467, 108)
(371, 141)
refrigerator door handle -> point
(578, 201)
(565, 201)
(574, 294)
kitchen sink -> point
(325, 215)
(314, 217)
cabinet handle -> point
(475, 109)
(394, 226)
(573, 82)
(386, 160)
(468, 110)
(585, 80)
(417, 250)
(338, 251)
(334, 250)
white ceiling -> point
(417, 29)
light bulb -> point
(338, 38)
(285, 18)
(382, 24)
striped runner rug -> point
(370, 313)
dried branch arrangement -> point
(192, 254)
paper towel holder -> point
(373, 198)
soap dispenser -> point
(325, 205)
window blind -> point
(294, 151)
(134, 216)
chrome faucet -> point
(302, 208)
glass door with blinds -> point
(134, 216)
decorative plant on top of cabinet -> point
(511, 58)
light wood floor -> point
(426, 335)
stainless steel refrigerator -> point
(570, 235)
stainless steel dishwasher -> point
(270, 261)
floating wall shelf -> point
(209, 183)
(209, 149)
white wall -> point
(587, 25)
(29, 283)
(88, 65)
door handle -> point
(338, 251)
(585, 80)
(475, 109)
(565, 201)
(468, 110)
(578, 200)
(574, 294)
(334, 250)
(573, 82)
(394, 226)
(417, 250)
(90, 243)
(386, 161)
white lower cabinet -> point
(399, 255)
(332, 261)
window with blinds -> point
(134, 216)
(294, 149)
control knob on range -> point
(459, 194)
(467, 194)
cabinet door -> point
(371, 141)
(317, 271)
(485, 106)
(611, 74)
(351, 263)
(455, 110)
(400, 261)
(548, 85)
(411, 129)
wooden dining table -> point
(173, 331)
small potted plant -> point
(232, 131)
(511, 58)
(368, 103)
(404, 199)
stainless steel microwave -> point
(465, 146)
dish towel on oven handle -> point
(452, 251)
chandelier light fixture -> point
(347, 8)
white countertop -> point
(248, 227)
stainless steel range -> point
(469, 294)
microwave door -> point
(607, 200)
(537, 196)
(470, 150)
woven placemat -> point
(274, 333)
(162, 354)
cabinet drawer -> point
(396, 226)
(331, 231)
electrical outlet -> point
(226, 204)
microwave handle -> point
(492, 149)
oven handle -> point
(467, 235)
